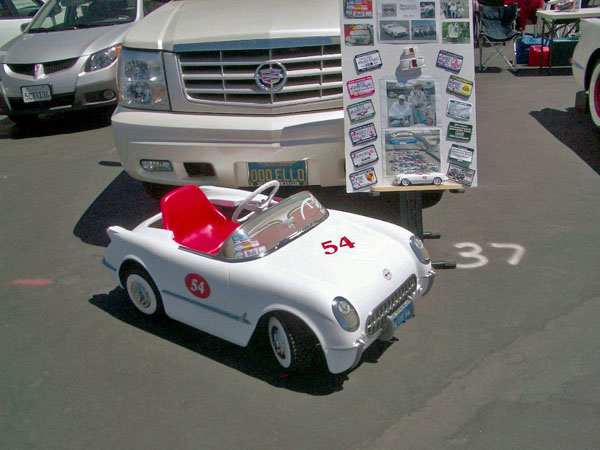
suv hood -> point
(58, 45)
(206, 21)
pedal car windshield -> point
(274, 227)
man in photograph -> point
(418, 102)
(400, 113)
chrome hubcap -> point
(140, 294)
(278, 342)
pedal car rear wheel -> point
(405, 182)
(293, 344)
(437, 181)
(143, 292)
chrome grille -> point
(376, 319)
(314, 73)
(49, 67)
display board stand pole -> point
(411, 210)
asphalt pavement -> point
(503, 353)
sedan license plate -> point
(36, 93)
(405, 312)
(287, 173)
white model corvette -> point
(315, 280)
(406, 179)
(395, 30)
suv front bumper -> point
(228, 143)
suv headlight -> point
(419, 250)
(142, 82)
(345, 314)
(102, 59)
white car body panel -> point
(587, 46)
(299, 278)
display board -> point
(409, 92)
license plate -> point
(361, 87)
(459, 86)
(368, 61)
(363, 178)
(364, 156)
(363, 134)
(449, 61)
(287, 173)
(361, 111)
(36, 93)
(404, 313)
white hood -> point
(205, 21)
(356, 273)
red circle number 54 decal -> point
(197, 285)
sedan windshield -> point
(59, 15)
(275, 227)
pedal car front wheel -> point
(293, 344)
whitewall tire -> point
(594, 95)
(143, 292)
(293, 343)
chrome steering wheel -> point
(261, 205)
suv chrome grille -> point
(314, 73)
(376, 319)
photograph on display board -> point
(411, 21)
(456, 33)
(427, 10)
(401, 9)
(423, 30)
(389, 10)
(454, 9)
(394, 30)
(358, 34)
(409, 103)
(412, 151)
(358, 9)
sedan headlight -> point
(102, 59)
(142, 82)
(345, 314)
(419, 250)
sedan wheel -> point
(594, 95)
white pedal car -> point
(314, 280)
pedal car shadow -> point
(124, 202)
(256, 360)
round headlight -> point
(345, 314)
(419, 250)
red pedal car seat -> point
(194, 220)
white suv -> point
(233, 93)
